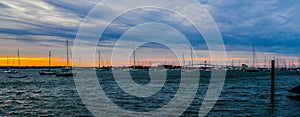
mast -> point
(134, 61)
(265, 64)
(254, 56)
(7, 61)
(289, 63)
(298, 63)
(192, 57)
(67, 45)
(49, 58)
(183, 58)
(99, 59)
(277, 63)
(293, 65)
(19, 63)
(79, 62)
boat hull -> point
(65, 74)
(11, 72)
(17, 76)
(295, 90)
(47, 72)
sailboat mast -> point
(67, 47)
(253, 55)
(134, 61)
(183, 58)
(7, 61)
(192, 57)
(299, 63)
(79, 64)
(19, 63)
(99, 58)
(265, 64)
(289, 63)
(49, 58)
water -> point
(51, 96)
(39, 96)
(251, 97)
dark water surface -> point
(57, 96)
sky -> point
(37, 26)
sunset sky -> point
(37, 26)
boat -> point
(103, 68)
(49, 71)
(17, 74)
(108, 68)
(136, 68)
(295, 90)
(170, 67)
(66, 71)
(66, 74)
(254, 68)
(11, 71)
(8, 70)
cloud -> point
(272, 26)
(130, 20)
(37, 12)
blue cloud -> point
(130, 20)
(272, 26)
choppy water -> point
(50, 95)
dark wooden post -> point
(273, 81)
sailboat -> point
(296, 90)
(10, 71)
(103, 68)
(66, 71)
(49, 71)
(137, 67)
(253, 69)
(18, 74)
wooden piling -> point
(272, 81)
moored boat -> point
(11, 71)
(66, 71)
(295, 90)
(65, 74)
(17, 74)
(49, 71)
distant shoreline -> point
(35, 67)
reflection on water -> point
(241, 96)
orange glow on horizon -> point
(39, 61)
(31, 61)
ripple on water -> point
(51, 96)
